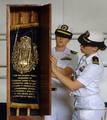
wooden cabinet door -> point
(45, 43)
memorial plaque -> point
(28, 51)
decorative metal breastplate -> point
(25, 55)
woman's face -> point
(61, 41)
(87, 50)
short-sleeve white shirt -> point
(65, 58)
(89, 74)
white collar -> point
(65, 50)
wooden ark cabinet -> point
(28, 65)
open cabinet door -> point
(28, 64)
(45, 37)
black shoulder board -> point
(73, 52)
(95, 60)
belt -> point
(53, 89)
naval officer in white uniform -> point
(88, 103)
(67, 60)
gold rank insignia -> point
(73, 52)
(66, 58)
(95, 60)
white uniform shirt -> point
(89, 74)
(66, 58)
